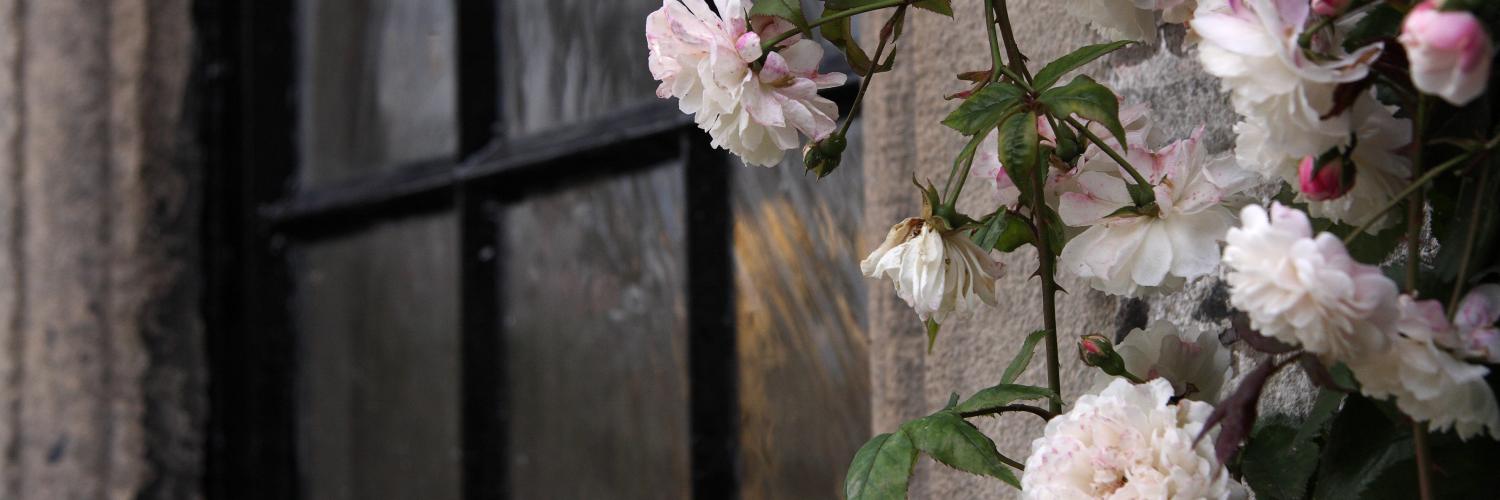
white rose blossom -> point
(705, 61)
(1253, 47)
(1306, 290)
(1129, 441)
(1427, 382)
(1127, 254)
(1192, 359)
(938, 273)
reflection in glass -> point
(595, 329)
(377, 87)
(804, 375)
(563, 61)
(378, 364)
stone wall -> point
(903, 111)
(102, 388)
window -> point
(459, 250)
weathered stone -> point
(101, 360)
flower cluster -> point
(751, 102)
(1308, 292)
(1286, 97)
(1331, 100)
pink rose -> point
(1450, 53)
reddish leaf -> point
(976, 76)
(1255, 340)
(1235, 415)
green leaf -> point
(950, 439)
(881, 468)
(932, 331)
(1004, 231)
(1074, 60)
(1362, 447)
(1023, 357)
(1016, 234)
(1323, 411)
(1275, 464)
(841, 35)
(944, 7)
(1018, 150)
(985, 109)
(1086, 98)
(846, 4)
(791, 10)
(1001, 395)
(988, 233)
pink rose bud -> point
(1329, 7)
(1325, 181)
(1450, 52)
(1096, 350)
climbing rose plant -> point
(1375, 269)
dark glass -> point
(595, 327)
(378, 364)
(377, 88)
(804, 370)
(564, 61)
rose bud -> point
(1450, 53)
(1097, 351)
(1326, 178)
(823, 156)
(1330, 7)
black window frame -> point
(245, 79)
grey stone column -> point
(102, 385)
(903, 134)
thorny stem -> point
(1130, 169)
(1046, 415)
(864, 84)
(1017, 60)
(995, 58)
(1414, 213)
(1049, 288)
(1038, 202)
(768, 45)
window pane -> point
(595, 326)
(804, 375)
(377, 87)
(378, 364)
(563, 61)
